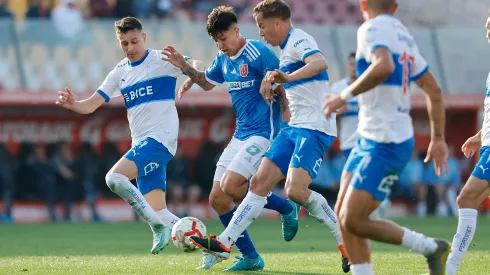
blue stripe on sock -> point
(244, 244)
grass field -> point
(124, 249)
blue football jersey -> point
(244, 73)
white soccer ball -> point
(183, 229)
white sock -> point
(318, 208)
(250, 208)
(168, 218)
(362, 269)
(421, 209)
(418, 242)
(462, 238)
(121, 185)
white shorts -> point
(242, 157)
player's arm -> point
(178, 60)
(86, 106)
(283, 102)
(435, 104)
(381, 68)
(315, 64)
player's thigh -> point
(243, 166)
(474, 192)
(219, 200)
(226, 158)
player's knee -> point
(464, 200)
(220, 202)
(351, 224)
(258, 184)
(113, 180)
(233, 188)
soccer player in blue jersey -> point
(242, 64)
(387, 61)
(476, 189)
(298, 150)
(148, 86)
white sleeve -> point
(110, 87)
(419, 66)
(369, 38)
(303, 47)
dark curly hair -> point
(220, 20)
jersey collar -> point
(237, 55)
(287, 38)
(134, 64)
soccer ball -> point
(185, 228)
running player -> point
(299, 148)
(387, 62)
(348, 114)
(476, 189)
(148, 86)
(242, 64)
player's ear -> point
(363, 5)
(144, 37)
(395, 7)
(237, 32)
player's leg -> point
(271, 170)
(475, 191)
(243, 166)
(371, 183)
(310, 148)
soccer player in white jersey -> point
(348, 114)
(148, 86)
(476, 189)
(387, 61)
(298, 150)
(242, 64)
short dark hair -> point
(273, 8)
(128, 24)
(351, 55)
(220, 20)
(381, 5)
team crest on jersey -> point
(244, 70)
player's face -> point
(133, 44)
(351, 67)
(228, 41)
(268, 29)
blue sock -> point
(244, 244)
(278, 203)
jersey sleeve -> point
(214, 73)
(369, 38)
(303, 47)
(419, 66)
(110, 87)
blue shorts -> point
(346, 153)
(151, 158)
(299, 148)
(376, 166)
(481, 168)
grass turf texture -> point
(123, 248)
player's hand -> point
(471, 145)
(437, 151)
(277, 76)
(267, 92)
(184, 87)
(65, 99)
(332, 104)
(174, 57)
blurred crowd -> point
(62, 174)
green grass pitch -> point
(123, 248)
